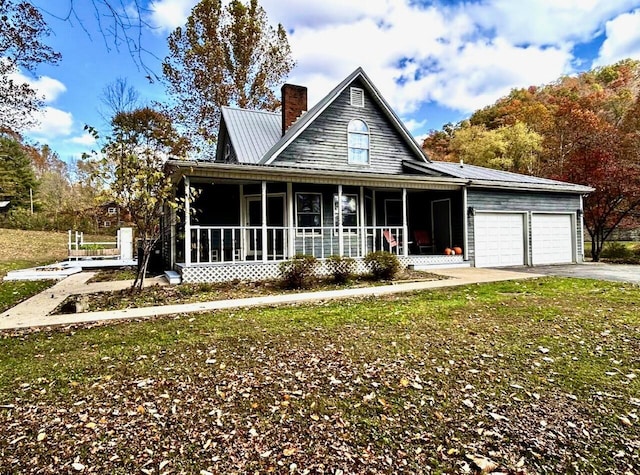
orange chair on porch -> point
(423, 241)
(392, 241)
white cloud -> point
(412, 124)
(84, 139)
(418, 54)
(461, 56)
(44, 86)
(167, 15)
(52, 123)
(547, 22)
(623, 39)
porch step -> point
(427, 267)
(172, 277)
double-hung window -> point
(358, 138)
(309, 210)
(349, 206)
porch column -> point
(340, 230)
(292, 237)
(405, 228)
(240, 242)
(374, 221)
(264, 222)
(465, 225)
(187, 221)
(580, 257)
(172, 258)
(363, 229)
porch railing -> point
(210, 244)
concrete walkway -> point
(31, 313)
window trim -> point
(350, 229)
(349, 148)
(297, 214)
(112, 211)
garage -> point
(552, 238)
(499, 239)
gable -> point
(323, 144)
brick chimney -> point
(294, 103)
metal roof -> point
(482, 176)
(252, 133)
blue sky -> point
(434, 62)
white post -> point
(187, 221)
(465, 225)
(340, 230)
(374, 220)
(363, 230)
(291, 241)
(172, 259)
(264, 222)
(125, 243)
(580, 257)
(405, 228)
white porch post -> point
(363, 230)
(374, 221)
(405, 228)
(292, 237)
(580, 257)
(264, 222)
(340, 230)
(243, 242)
(465, 225)
(172, 259)
(187, 221)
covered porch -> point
(242, 229)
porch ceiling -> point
(179, 168)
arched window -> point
(358, 142)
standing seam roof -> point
(252, 133)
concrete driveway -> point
(589, 270)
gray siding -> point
(488, 200)
(323, 145)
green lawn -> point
(537, 376)
(23, 249)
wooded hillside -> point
(582, 129)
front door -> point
(275, 223)
(441, 223)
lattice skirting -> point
(254, 271)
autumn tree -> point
(131, 165)
(509, 147)
(22, 32)
(225, 55)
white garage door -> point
(551, 238)
(499, 239)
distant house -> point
(347, 178)
(111, 216)
(4, 206)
